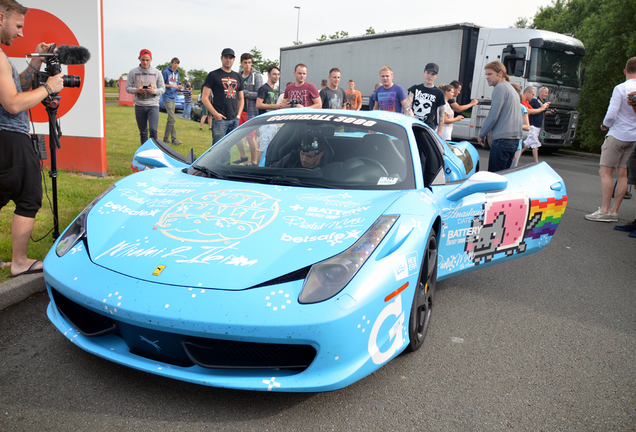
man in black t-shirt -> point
(266, 98)
(227, 88)
(427, 100)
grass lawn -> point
(76, 191)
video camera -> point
(68, 55)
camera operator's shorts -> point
(20, 180)
(532, 141)
(614, 152)
(242, 120)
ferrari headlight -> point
(77, 230)
(329, 277)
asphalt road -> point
(543, 343)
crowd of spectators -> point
(230, 98)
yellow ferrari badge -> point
(158, 270)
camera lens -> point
(71, 81)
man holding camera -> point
(301, 93)
(19, 164)
(146, 83)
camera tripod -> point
(51, 104)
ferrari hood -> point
(168, 227)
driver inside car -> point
(309, 155)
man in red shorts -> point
(252, 81)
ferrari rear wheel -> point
(423, 298)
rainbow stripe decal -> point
(551, 212)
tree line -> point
(197, 76)
(607, 28)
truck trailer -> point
(532, 57)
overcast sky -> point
(196, 31)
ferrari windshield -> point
(556, 67)
(315, 150)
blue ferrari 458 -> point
(305, 272)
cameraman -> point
(19, 164)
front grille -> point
(241, 355)
(182, 350)
(557, 123)
(85, 321)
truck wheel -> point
(548, 150)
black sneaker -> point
(240, 160)
(176, 142)
(628, 227)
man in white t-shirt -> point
(620, 139)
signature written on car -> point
(187, 254)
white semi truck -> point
(533, 58)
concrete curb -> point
(578, 154)
(20, 288)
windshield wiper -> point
(207, 171)
(260, 178)
(277, 180)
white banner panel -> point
(68, 22)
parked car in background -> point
(179, 104)
(195, 114)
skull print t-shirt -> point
(426, 101)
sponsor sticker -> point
(387, 181)
(405, 265)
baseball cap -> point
(145, 52)
(432, 67)
(228, 52)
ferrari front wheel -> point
(423, 299)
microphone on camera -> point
(68, 55)
(72, 55)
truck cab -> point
(534, 58)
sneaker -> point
(629, 227)
(176, 142)
(632, 234)
(599, 216)
(240, 160)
